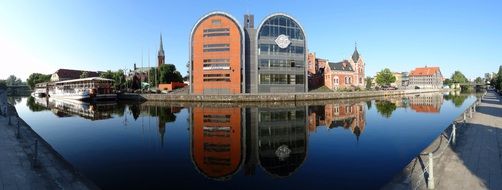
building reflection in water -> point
(426, 103)
(350, 116)
(282, 139)
(217, 141)
(273, 139)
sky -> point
(45, 35)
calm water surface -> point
(349, 144)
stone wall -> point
(270, 97)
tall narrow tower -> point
(161, 57)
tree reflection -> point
(368, 104)
(33, 106)
(457, 100)
(385, 108)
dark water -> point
(349, 144)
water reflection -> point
(255, 139)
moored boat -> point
(94, 88)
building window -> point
(216, 22)
(216, 32)
(216, 64)
(216, 47)
(216, 77)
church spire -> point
(161, 49)
(161, 56)
(355, 55)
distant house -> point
(426, 77)
(346, 74)
(68, 74)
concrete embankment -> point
(465, 157)
(27, 161)
(271, 97)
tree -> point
(498, 82)
(13, 80)
(84, 74)
(118, 77)
(385, 77)
(458, 77)
(368, 80)
(478, 80)
(36, 78)
(167, 73)
(448, 82)
(3, 84)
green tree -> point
(36, 78)
(448, 82)
(385, 77)
(478, 80)
(84, 74)
(118, 78)
(168, 74)
(3, 84)
(498, 82)
(368, 80)
(13, 80)
(458, 77)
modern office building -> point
(216, 55)
(281, 48)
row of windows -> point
(216, 75)
(281, 79)
(274, 31)
(217, 80)
(216, 32)
(223, 66)
(216, 60)
(273, 49)
(282, 21)
(216, 47)
(281, 63)
(282, 116)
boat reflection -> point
(69, 108)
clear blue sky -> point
(42, 36)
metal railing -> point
(33, 147)
(428, 165)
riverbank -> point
(28, 162)
(271, 97)
(472, 159)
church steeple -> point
(355, 55)
(161, 56)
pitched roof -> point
(355, 55)
(338, 66)
(424, 71)
(161, 49)
(74, 74)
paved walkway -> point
(475, 161)
(17, 171)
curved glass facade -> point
(281, 55)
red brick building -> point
(346, 74)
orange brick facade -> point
(216, 55)
(216, 141)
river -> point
(346, 144)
